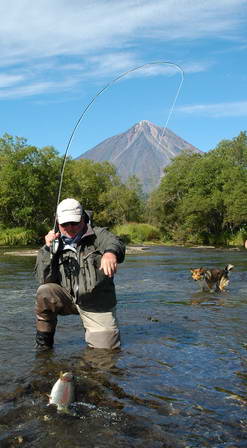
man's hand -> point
(51, 236)
(109, 264)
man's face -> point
(70, 229)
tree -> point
(202, 197)
(234, 150)
(86, 180)
(163, 203)
(119, 205)
(28, 182)
(98, 187)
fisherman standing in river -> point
(77, 278)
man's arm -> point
(113, 250)
(46, 269)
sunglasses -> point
(71, 223)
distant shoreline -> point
(129, 249)
(33, 252)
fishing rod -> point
(106, 87)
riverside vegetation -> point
(201, 198)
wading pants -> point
(101, 330)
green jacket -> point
(78, 270)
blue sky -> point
(57, 55)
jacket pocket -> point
(90, 273)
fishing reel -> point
(54, 246)
(71, 267)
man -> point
(77, 278)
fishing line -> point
(106, 87)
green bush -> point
(137, 233)
(238, 239)
(17, 236)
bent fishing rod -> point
(106, 87)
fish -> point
(63, 392)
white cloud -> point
(36, 88)
(197, 67)
(47, 28)
(8, 80)
(101, 66)
(101, 38)
(231, 109)
(30, 82)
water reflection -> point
(101, 359)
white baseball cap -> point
(69, 210)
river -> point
(179, 380)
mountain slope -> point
(143, 150)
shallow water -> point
(179, 380)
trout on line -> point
(63, 392)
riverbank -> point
(23, 252)
(33, 252)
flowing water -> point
(179, 380)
